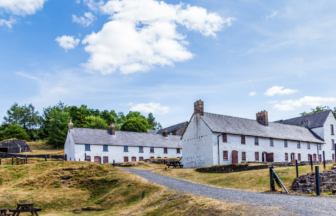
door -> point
(97, 159)
(105, 159)
(234, 157)
(314, 157)
(263, 157)
(88, 158)
(270, 157)
(133, 158)
(293, 157)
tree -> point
(57, 127)
(158, 126)
(11, 131)
(134, 125)
(318, 109)
(109, 117)
(95, 123)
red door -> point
(234, 157)
(314, 157)
(97, 159)
(270, 157)
(133, 158)
(293, 157)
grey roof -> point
(123, 138)
(249, 127)
(172, 128)
(151, 131)
(310, 121)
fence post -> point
(65, 157)
(311, 162)
(335, 153)
(317, 176)
(297, 169)
(26, 159)
(12, 160)
(271, 179)
(143, 195)
(0, 160)
(323, 159)
(45, 156)
(113, 162)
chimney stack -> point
(199, 107)
(165, 133)
(70, 125)
(112, 129)
(263, 116)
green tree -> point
(96, 123)
(11, 131)
(57, 127)
(317, 110)
(134, 125)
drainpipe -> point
(317, 156)
(218, 149)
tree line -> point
(24, 122)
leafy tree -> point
(121, 118)
(318, 109)
(109, 117)
(151, 120)
(158, 126)
(134, 125)
(96, 123)
(57, 127)
(11, 131)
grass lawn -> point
(254, 180)
(42, 148)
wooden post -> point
(12, 160)
(323, 159)
(317, 179)
(0, 160)
(271, 179)
(143, 195)
(45, 156)
(311, 162)
(113, 162)
(26, 159)
(297, 169)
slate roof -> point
(151, 131)
(249, 127)
(314, 120)
(124, 138)
(172, 128)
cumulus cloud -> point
(253, 93)
(155, 108)
(21, 7)
(85, 20)
(7, 23)
(142, 33)
(307, 100)
(279, 90)
(67, 42)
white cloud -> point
(279, 90)
(86, 20)
(152, 107)
(307, 100)
(77, 1)
(274, 13)
(142, 33)
(21, 7)
(7, 23)
(67, 42)
(252, 93)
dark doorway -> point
(234, 157)
(4, 149)
(263, 156)
(270, 157)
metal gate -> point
(234, 157)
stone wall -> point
(306, 183)
(286, 164)
(15, 146)
(230, 168)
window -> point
(242, 139)
(105, 159)
(286, 143)
(178, 151)
(308, 145)
(152, 157)
(332, 129)
(125, 159)
(256, 140)
(88, 158)
(140, 149)
(140, 158)
(256, 155)
(243, 156)
(225, 155)
(286, 156)
(125, 148)
(299, 157)
(298, 144)
(151, 149)
(333, 144)
(105, 148)
(87, 147)
(158, 157)
(319, 146)
(320, 157)
(224, 137)
(165, 151)
(271, 142)
(308, 157)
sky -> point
(238, 56)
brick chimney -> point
(165, 133)
(112, 129)
(199, 107)
(70, 125)
(263, 117)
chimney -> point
(70, 125)
(112, 129)
(263, 117)
(165, 133)
(199, 107)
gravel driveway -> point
(298, 204)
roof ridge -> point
(306, 115)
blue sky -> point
(239, 57)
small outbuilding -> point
(14, 146)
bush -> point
(13, 131)
(134, 125)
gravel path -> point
(298, 204)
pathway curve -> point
(298, 204)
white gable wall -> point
(328, 136)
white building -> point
(104, 146)
(213, 139)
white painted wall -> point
(197, 145)
(327, 135)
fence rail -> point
(10, 155)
